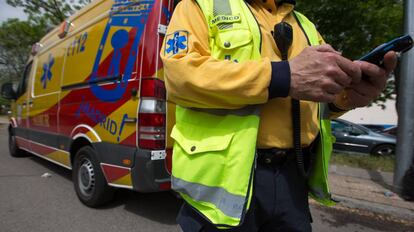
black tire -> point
(90, 183)
(383, 150)
(14, 150)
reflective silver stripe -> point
(352, 144)
(230, 204)
(245, 111)
(222, 7)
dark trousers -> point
(280, 202)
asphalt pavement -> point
(370, 190)
(30, 202)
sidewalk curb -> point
(381, 182)
(386, 177)
(375, 207)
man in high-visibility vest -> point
(255, 87)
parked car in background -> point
(354, 138)
(374, 127)
(390, 131)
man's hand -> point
(320, 73)
(371, 85)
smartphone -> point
(401, 44)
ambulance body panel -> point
(97, 81)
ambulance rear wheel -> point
(89, 181)
(14, 150)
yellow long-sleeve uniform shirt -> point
(195, 79)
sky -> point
(7, 11)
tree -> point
(55, 11)
(356, 28)
(16, 39)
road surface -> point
(29, 202)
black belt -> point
(277, 156)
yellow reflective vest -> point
(215, 150)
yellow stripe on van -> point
(60, 157)
(116, 118)
(125, 180)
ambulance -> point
(92, 99)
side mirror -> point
(7, 91)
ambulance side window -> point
(23, 83)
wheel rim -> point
(86, 178)
(385, 151)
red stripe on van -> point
(113, 173)
(22, 143)
(130, 140)
(41, 149)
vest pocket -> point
(235, 45)
(231, 39)
(195, 140)
(212, 163)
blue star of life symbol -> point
(177, 43)
(47, 74)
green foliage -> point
(54, 11)
(16, 39)
(4, 103)
(356, 27)
(389, 93)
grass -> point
(385, 164)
